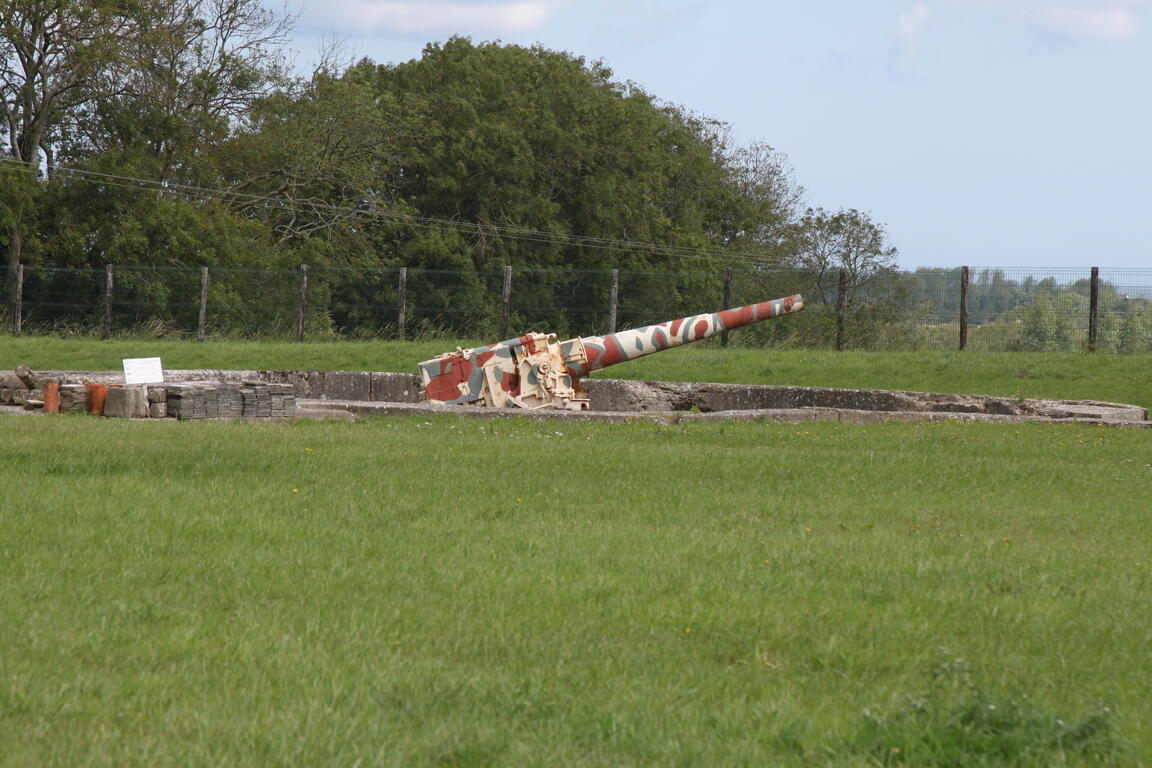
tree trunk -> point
(15, 249)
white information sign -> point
(143, 370)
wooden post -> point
(203, 304)
(302, 303)
(505, 301)
(108, 280)
(613, 295)
(963, 309)
(1094, 309)
(841, 308)
(727, 301)
(18, 319)
(402, 291)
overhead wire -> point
(522, 234)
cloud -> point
(910, 28)
(424, 17)
(1107, 23)
(1087, 20)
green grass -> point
(1116, 378)
(442, 592)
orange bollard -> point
(52, 397)
(96, 395)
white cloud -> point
(910, 28)
(1109, 23)
(424, 17)
(1100, 20)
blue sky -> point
(980, 132)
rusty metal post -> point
(613, 296)
(203, 304)
(505, 300)
(302, 303)
(402, 310)
(727, 301)
(841, 308)
(963, 309)
(1094, 309)
(108, 281)
(18, 319)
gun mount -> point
(537, 371)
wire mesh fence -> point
(984, 309)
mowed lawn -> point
(449, 592)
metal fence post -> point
(108, 281)
(505, 301)
(841, 308)
(963, 309)
(18, 319)
(613, 296)
(402, 291)
(203, 304)
(727, 301)
(302, 303)
(1094, 309)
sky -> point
(1009, 133)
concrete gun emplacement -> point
(537, 371)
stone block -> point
(395, 387)
(126, 402)
(157, 394)
(158, 410)
(347, 385)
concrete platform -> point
(348, 394)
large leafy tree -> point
(506, 136)
(51, 51)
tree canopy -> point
(186, 143)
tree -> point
(318, 160)
(846, 240)
(50, 51)
(137, 89)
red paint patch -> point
(511, 383)
(736, 318)
(446, 386)
(699, 329)
(529, 344)
(612, 352)
(676, 326)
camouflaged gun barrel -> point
(603, 351)
(536, 371)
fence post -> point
(302, 303)
(613, 295)
(727, 301)
(1094, 309)
(963, 309)
(18, 320)
(402, 291)
(505, 301)
(108, 280)
(841, 308)
(203, 304)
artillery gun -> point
(537, 371)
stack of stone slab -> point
(73, 398)
(222, 400)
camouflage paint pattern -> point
(536, 371)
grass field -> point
(438, 592)
(1117, 378)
